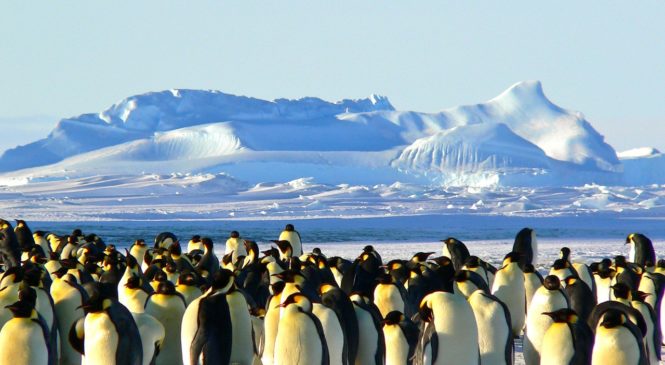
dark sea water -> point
(393, 229)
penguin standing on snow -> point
(107, 334)
(401, 336)
(301, 340)
(581, 297)
(548, 298)
(68, 297)
(495, 337)
(526, 245)
(24, 340)
(568, 341)
(290, 234)
(450, 334)
(168, 307)
(641, 250)
(509, 288)
(335, 299)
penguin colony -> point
(76, 300)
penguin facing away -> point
(509, 287)
(527, 245)
(495, 338)
(401, 337)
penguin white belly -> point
(537, 324)
(168, 310)
(647, 285)
(67, 300)
(289, 289)
(271, 323)
(368, 337)
(294, 240)
(242, 352)
(22, 343)
(259, 338)
(101, 340)
(388, 298)
(557, 347)
(648, 337)
(151, 331)
(603, 288)
(188, 329)
(456, 329)
(632, 253)
(332, 331)
(531, 284)
(509, 288)
(298, 342)
(397, 348)
(615, 346)
(133, 299)
(337, 275)
(493, 329)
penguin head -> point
(421, 257)
(166, 288)
(5, 224)
(284, 246)
(99, 299)
(130, 261)
(175, 250)
(425, 310)
(564, 254)
(222, 280)
(133, 282)
(325, 287)
(11, 276)
(25, 306)
(234, 234)
(613, 318)
(291, 276)
(195, 239)
(298, 299)
(393, 318)
(570, 280)
(250, 246)
(140, 242)
(368, 249)
(472, 262)
(289, 228)
(620, 261)
(385, 279)
(621, 291)
(33, 277)
(469, 281)
(512, 257)
(564, 315)
(552, 282)
(20, 223)
(560, 264)
(443, 261)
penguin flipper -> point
(213, 338)
(77, 336)
(50, 344)
(428, 337)
(129, 350)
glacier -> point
(164, 153)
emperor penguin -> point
(653, 338)
(301, 339)
(486, 271)
(371, 344)
(138, 250)
(338, 267)
(361, 276)
(603, 277)
(194, 244)
(401, 336)
(10, 251)
(641, 250)
(40, 240)
(68, 298)
(205, 336)
(581, 297)
(24, 235)
(582, 270)
(332, 331)
(456, 250)
(548, 298)
(44, 305)
(526, 245)
(568, 341)
(271, 322)
(187, 286)
(9, 288)
(450, 334)
(618, 341)
(235, 246)
(388, 296)
(495, 337)
(168, 307)
(467, 282)
(335, 299)
(132, 295)
(532, 281)
(509, 288)
(152, 336)
(290, 234)
(24, 339)
(209, 264)
(107, 334)
(165, 239)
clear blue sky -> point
(603, 58)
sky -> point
(603, 58)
